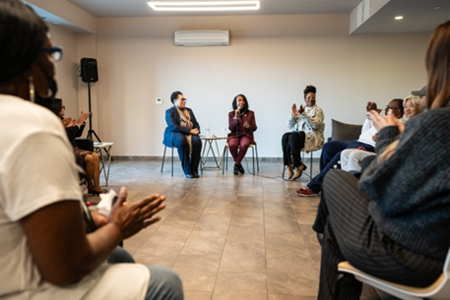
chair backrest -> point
(447, 263)
(443, 288)
(344, 132)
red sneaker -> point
(306, 192)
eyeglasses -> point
(56, 52)
(63, 107)
(388, 107)
(182, 99)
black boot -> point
(236, 170)
(241, 169)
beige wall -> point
(271, 59)
(71, 88)
(66, 70)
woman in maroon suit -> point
(242, 124)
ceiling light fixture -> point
(399, 17)
(438, 7)
(203, 5)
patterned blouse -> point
(311, 123)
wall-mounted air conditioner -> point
(198, 38)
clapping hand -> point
(73, 122)
(66, 122)
(379, 122)
(98, 218)
(294, 110)
(82, 118)
(131, 218)
(372, 106)
(301, 109)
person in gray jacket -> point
(395, 222)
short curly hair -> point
(309, 89)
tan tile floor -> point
(228, 237)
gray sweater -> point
(411, 190)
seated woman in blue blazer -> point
(182, 132)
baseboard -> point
(120, 157)
(159, 158)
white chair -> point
(439, 290)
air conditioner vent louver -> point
(199, 38)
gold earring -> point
(31, 87)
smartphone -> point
(114, 200)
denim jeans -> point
(164, 284)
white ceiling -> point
(419, 15)
(139, 8)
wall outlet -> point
(159, 100)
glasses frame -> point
(56, 52)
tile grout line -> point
(223, 248)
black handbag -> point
(85, 144)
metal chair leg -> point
(253, 160)
(303, 154)
(257, 159)
(226, 164)
(164, 158)
(172, 162)
(225, 152)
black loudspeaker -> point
(89, 70)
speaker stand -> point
(91, 131)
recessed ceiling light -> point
(203, 5)
(438, 7)
(399, 17)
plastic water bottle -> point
(207, 131)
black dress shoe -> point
(196, 175)
(241, 169)
(190, 176)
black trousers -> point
(292, 144)
(189, 163)
(351, 234)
